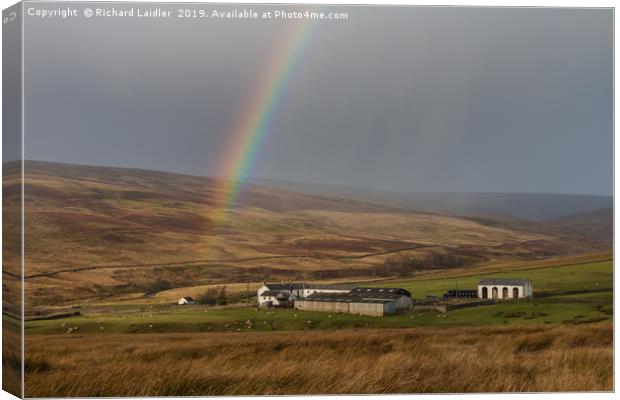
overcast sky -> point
(405, 99)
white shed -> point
(186, 300)
(505, 288)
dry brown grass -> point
(537, 358)
(11, 362)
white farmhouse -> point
(505, 288)
(278, 294)
(275, 298)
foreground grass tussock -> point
(491, 359)
(11, 361)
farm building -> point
(284, 294)
(185, 300)
(311, 289)
(505, 288)
(275, 298)
(360, 301)
(401, 297)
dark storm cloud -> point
(407, 99)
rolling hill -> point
(102, 233)
(594, 225)
(524, 206)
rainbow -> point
(256, 119)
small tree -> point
(209, 297)
(158, 286)
(222, 299)
(214, 296)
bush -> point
(158, 286)
(213, 296)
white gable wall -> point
(524, 291)
(262, 289)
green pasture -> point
(11, 323)
(195, 319)
(588, 276)
(554, 308)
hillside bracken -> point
(438, 360)
(99, 233)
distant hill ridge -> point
(597, 225)
(526, 206)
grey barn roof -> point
(284, 286)
(301, 285)
(333, 287)
(270, 293)
(505, 281)
(362, 295)
(344, 298)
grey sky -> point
(406, 99)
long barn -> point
(361, 301)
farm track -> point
(211, 261)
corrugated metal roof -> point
(332, 287)
(302, 285)
(321, 297)
(272, 293)
(284, 286)
(362, 295)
